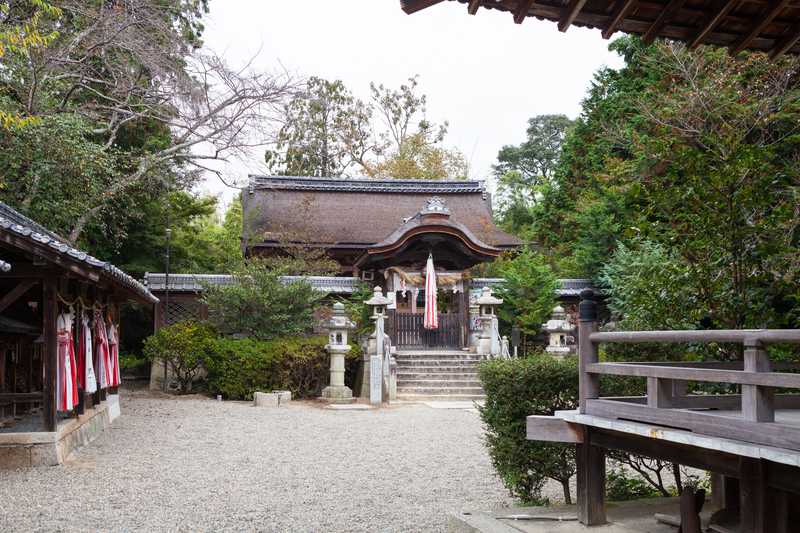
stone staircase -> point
(438, 375)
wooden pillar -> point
(588, 384)
(50, 359)
(758, 403)
(591, 482)
(753, 498)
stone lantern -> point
(487, 318)
(338, 327)
(560, 331)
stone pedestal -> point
(337, 391)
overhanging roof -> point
(771, 26)
(17, 229)
(357, 213)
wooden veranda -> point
(748, 437)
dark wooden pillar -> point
(591, 482)
(50, 359)
(756, 513)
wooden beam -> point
(412, 6)
(15, 293)
(785, 43)
(569, 14)
(720, 12)
(621, 10)
(665, 16)
(552, 429)
(521, 12)
(772, 11)
(473, 6)
(684, 454)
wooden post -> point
(50, 359)
(590, 462)
(758, 403)
(659, 392)
(588, 384)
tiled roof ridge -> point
(16, 222)
(364, 184)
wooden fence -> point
(406, 331)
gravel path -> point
(194, 464)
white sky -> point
(484, 74)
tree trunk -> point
(567, 495)
(676, 473)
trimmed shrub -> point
(185, 346)
(240, 367)
(516, 388)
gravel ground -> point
(194, 464)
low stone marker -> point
(275, 398)
(284, 396)
(266, 399)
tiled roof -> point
(567, 287)
(306, 183)
(18, 224)
(195, 282)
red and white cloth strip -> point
(431, 320)
(67, 383)
(102, 350)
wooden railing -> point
(748, 417)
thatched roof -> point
(771, 26)
(357, 213)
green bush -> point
(185, 346)
(516, 388)
(240, 367)
(621, 487)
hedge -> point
(237, 367)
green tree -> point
(260, 305)
(522, 171)
(326, 132)
(528, 292)
(125, 79)
(411, 145)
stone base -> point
(333, 394)
(266, 399)
(42, 448)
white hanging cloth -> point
(90, 380)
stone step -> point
(440, 397)
(443, 383)
(438, 366)
(447, 376)
(451, 391)
(433, 352)
(432, 360)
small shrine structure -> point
(52, 292)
